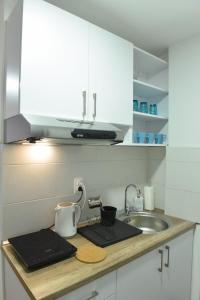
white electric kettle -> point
(67, 218)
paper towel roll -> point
(149, 198)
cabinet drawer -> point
(83, 293)
(100, 289)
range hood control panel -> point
(93, 134)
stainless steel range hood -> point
(33, 128)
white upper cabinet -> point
(111, 60)
(61, 65)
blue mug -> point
(136, 138)
(159, 138)
(142, 137)
(150, 137)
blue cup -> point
(159, 138)
(136, 137)
(150, 138)
(153, 109)
(144, 107)
(142, 137)
(135, 105)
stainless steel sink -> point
(148, 222)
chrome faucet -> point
(126, 208)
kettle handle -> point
(77, 214)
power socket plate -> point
(77, 183)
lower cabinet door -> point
(140, 279)
(178, 267)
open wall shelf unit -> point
(150, 84)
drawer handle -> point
(94, 294)
(167, 263)
(161, 260)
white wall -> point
(156, 171)
(183, 156)
(36, 180)
(184, 108)
(182, 183)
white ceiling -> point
(151, 24)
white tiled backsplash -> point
(36, 178)
(156, 169)
(182, 183)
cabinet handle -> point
(84, 93)
(94, 294)
(167, 263)
(95, 105)
(161, 260)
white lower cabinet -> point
(162, 274)
(103, 288)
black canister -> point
(108, 215)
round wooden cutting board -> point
(90, 254)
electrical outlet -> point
(77, 183)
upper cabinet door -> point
(54, 61)
(111, 75)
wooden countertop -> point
(58, 279)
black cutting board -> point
(104, 236)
